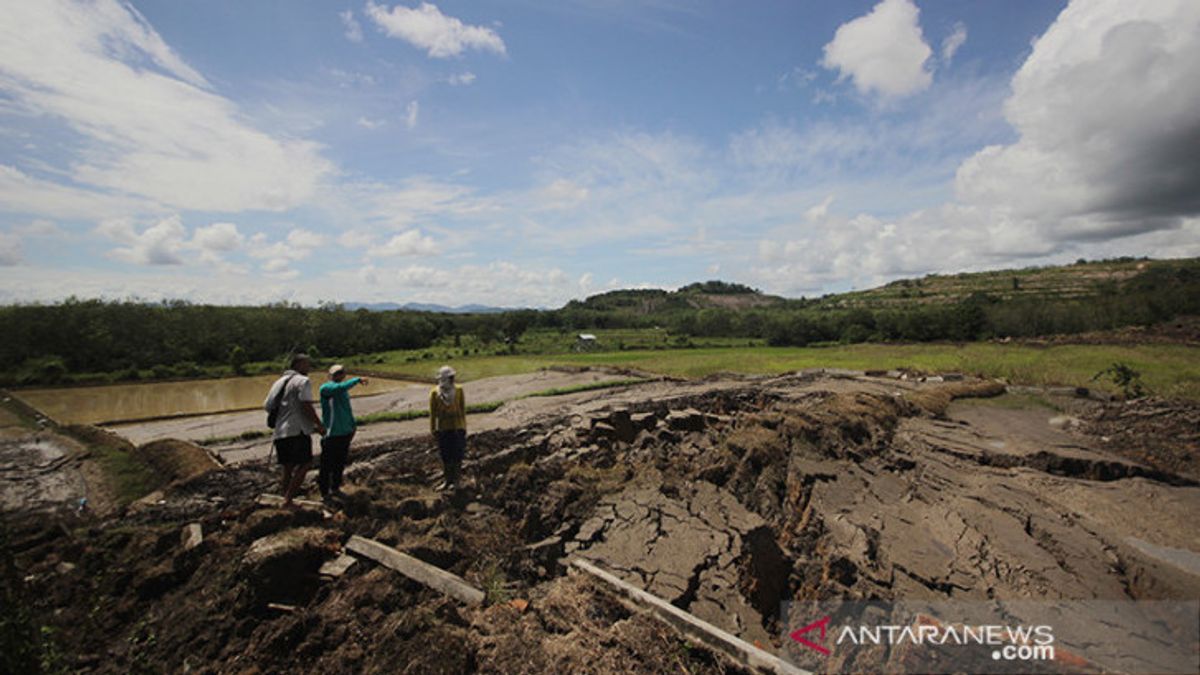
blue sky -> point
(523, 153)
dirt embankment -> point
(724, 501)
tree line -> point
(48, 343)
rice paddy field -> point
(1165, 370)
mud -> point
(724, 497)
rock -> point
(952, 377)
(192, 536)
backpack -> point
(273, 409)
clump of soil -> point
(176, 460)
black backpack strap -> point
(282, 391)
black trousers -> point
(335, 453)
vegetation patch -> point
(128, 476)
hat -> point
(336, 368)
(445, 372)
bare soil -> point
(724, 497)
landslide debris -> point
(725, 503)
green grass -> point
(128, 478)
(1166, 370)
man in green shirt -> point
(339, 423)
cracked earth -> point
(724, 497)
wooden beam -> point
(734, 647)
(417, 570)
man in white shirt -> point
(295, 423)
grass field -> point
(1166, 370)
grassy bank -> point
(1166, 370)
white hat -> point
(335, 369)
(446, 372)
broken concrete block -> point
(192, 536)
(338, 566)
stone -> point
(192, 536)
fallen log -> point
(434, 577)
(734, 647)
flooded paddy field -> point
(156, 400)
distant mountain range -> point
(424, 307)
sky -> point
(522, 153)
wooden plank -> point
(736, 648)
(422, 572)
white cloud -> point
(347, 79)
(218, 238)
(461, 79)
(368, 123)
(356, 239)
(411, 111)
(159, 244)
(41, 227)
(882, 51)
(280, 268)
(427, 28)
(953, 41)
(182, 145)
(353, 29)
(1107, 108)
(399, 206)
(305, 240)
(22, 193)
(298, 245)
(820, 211)
(405, 244)
(10, 250)
(561, 193)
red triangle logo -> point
(798, 635)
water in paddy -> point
(139, 401)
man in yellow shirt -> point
(448, 424)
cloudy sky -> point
(526, 152)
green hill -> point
(1067, 282)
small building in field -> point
(586, 342)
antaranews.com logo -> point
(994, 637)
(1010, 643)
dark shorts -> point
(452, 445)
(294, 449)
